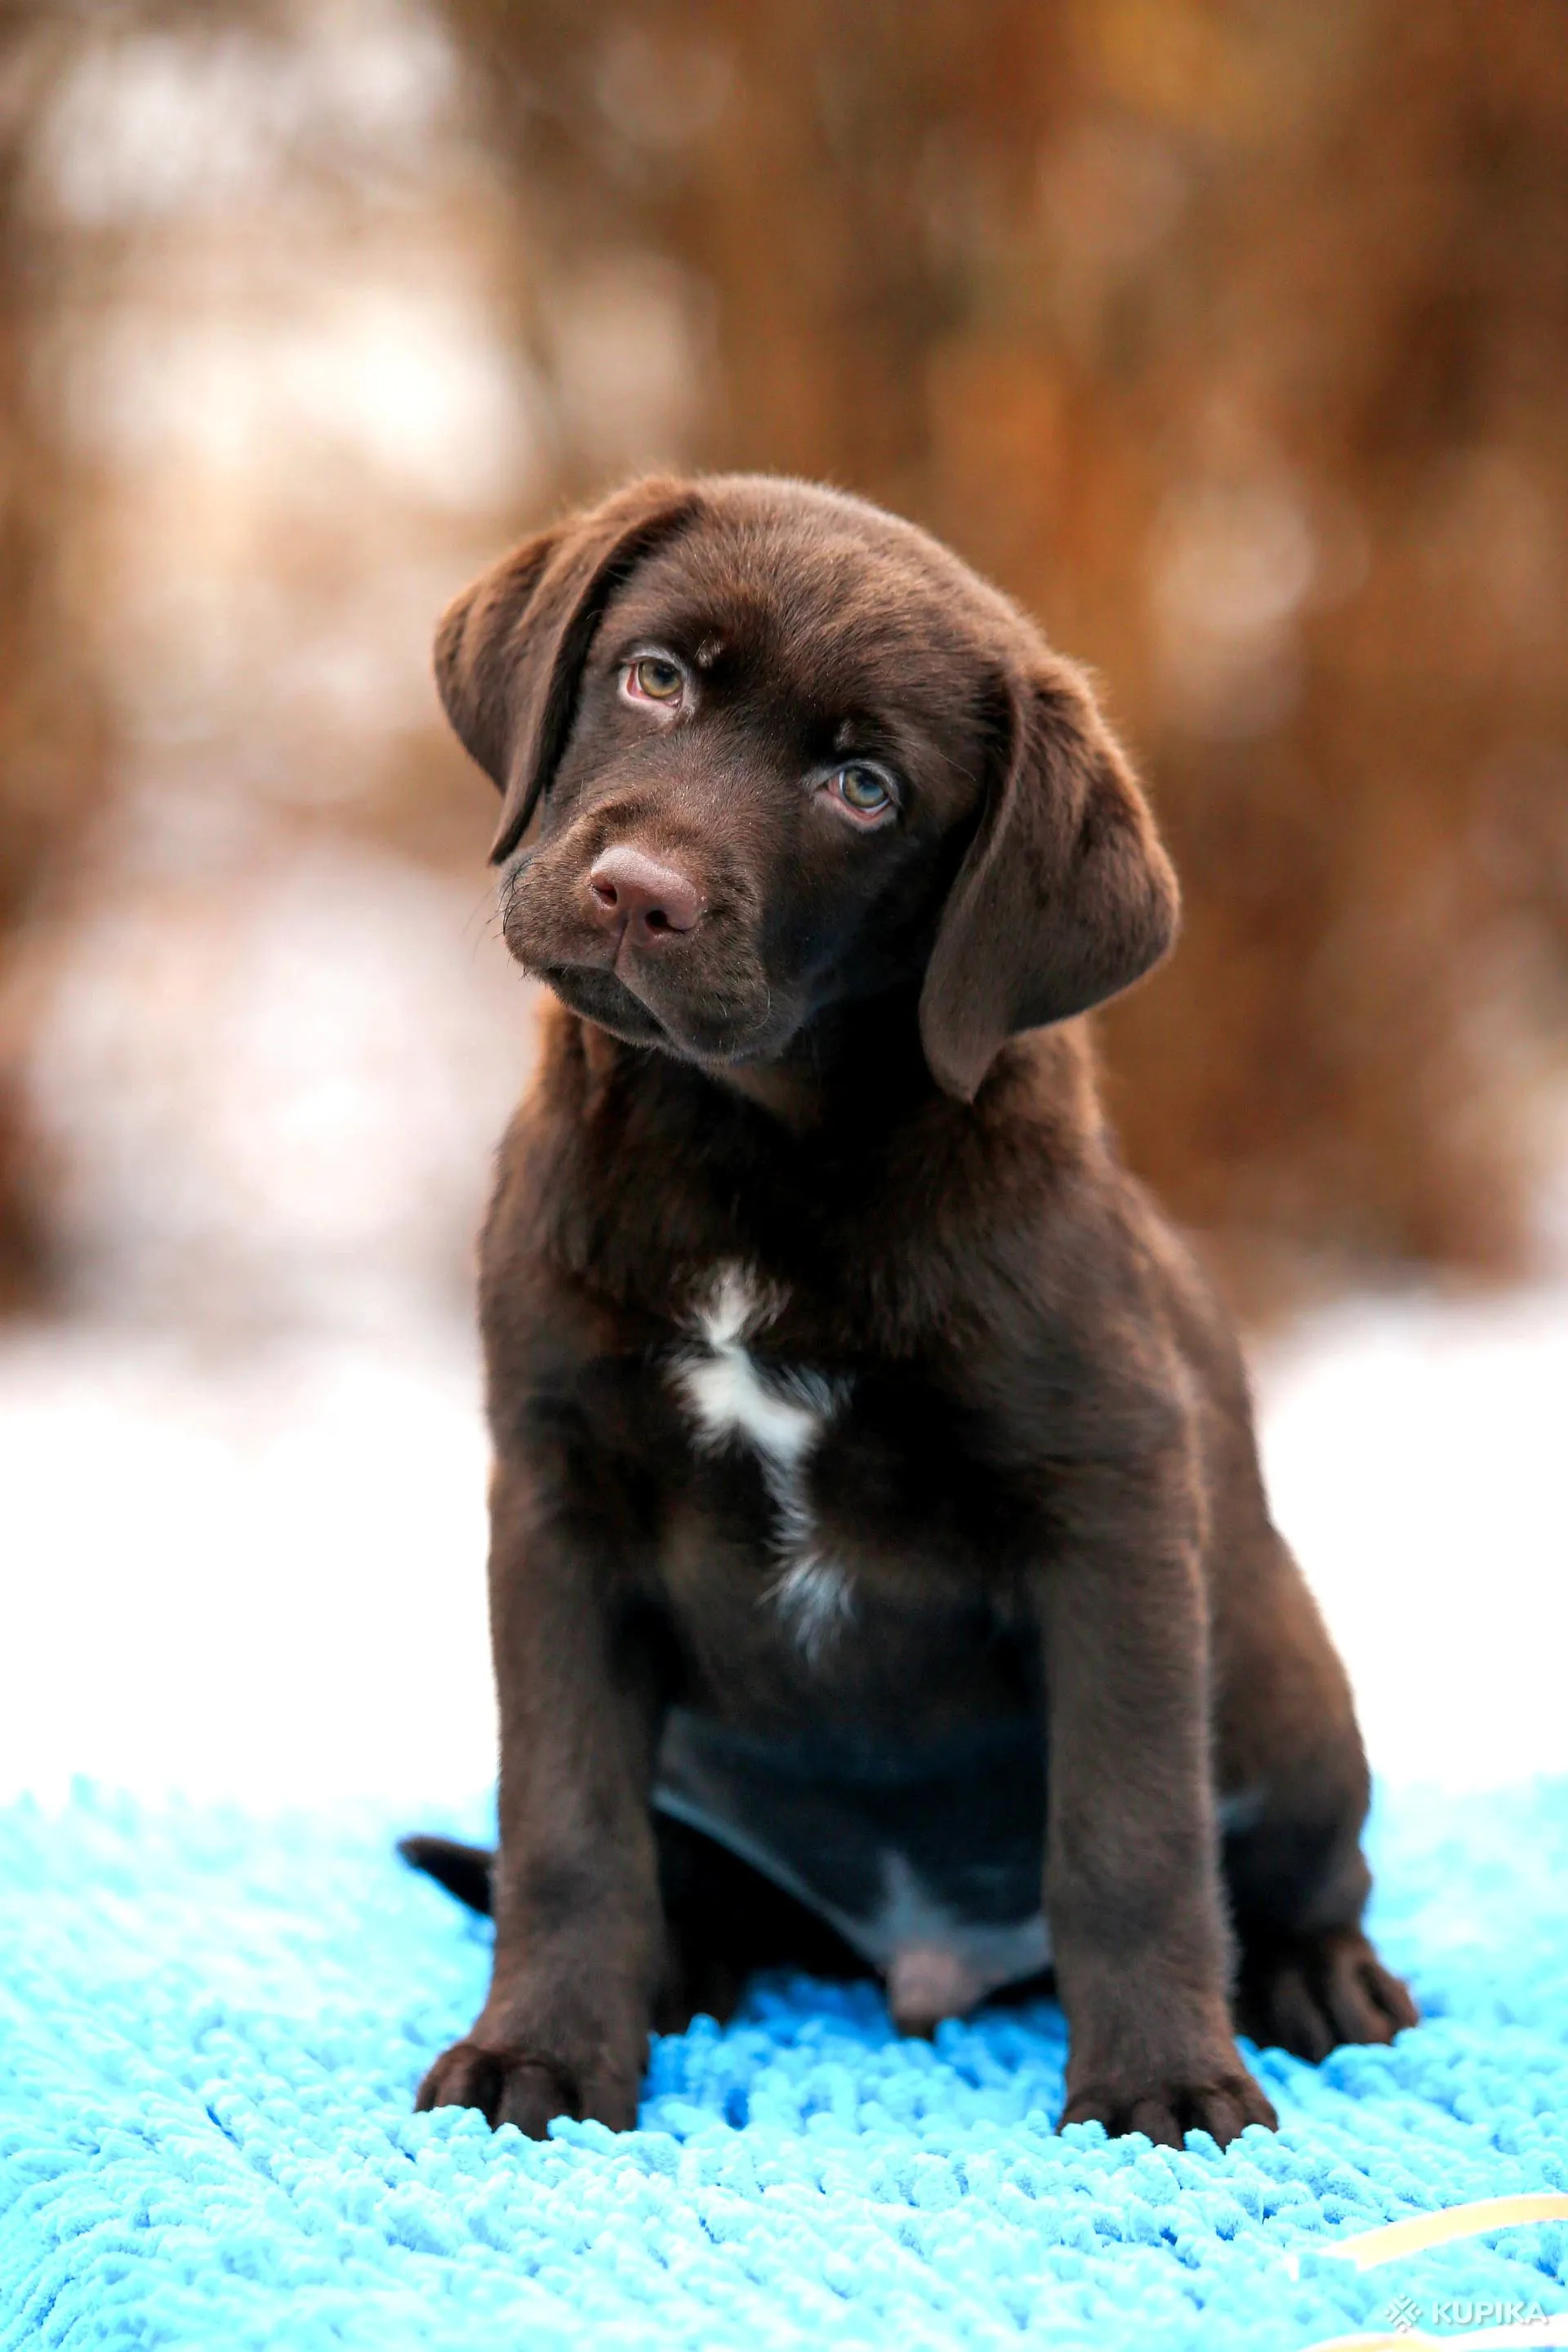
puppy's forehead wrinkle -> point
(869, 584)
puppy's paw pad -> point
(1307, 1994)
(1165, 2111)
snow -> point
(1416, 1457)
(255, 1570)
(254, 1573)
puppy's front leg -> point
(1133, 1881)
(575, 1884)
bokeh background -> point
(1231, 335)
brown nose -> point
(628, 891)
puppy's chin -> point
(693, 1034)
(600, 997)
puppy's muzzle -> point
(632, 933)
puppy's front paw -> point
(1222, 2103)
(1308, 1993)
(526, 2088)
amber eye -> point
(864, 789)
(653, 678)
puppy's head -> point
(763, 750)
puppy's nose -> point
(628, 891)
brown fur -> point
(858, 1076)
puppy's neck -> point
(860, 1054)
(859, 1074)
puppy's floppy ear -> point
(1065, 896)
(510, 651)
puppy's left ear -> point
(510, 651)
(1065, 896)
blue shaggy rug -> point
(211, 2030)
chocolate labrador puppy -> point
(881, 1574)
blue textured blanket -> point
(211, 2030)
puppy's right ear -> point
(510, 651)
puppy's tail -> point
(463, 1870)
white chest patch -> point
(782, 1418)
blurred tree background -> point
(1231, 336)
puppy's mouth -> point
(604, 997)
(720, 1032)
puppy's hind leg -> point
(1308, 1977)
(724, 1920)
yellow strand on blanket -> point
(1552, 2334)
(1414, 2235)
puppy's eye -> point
(862, 790)
(653, 678)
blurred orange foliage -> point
(1229, 335)
(1232, 337)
